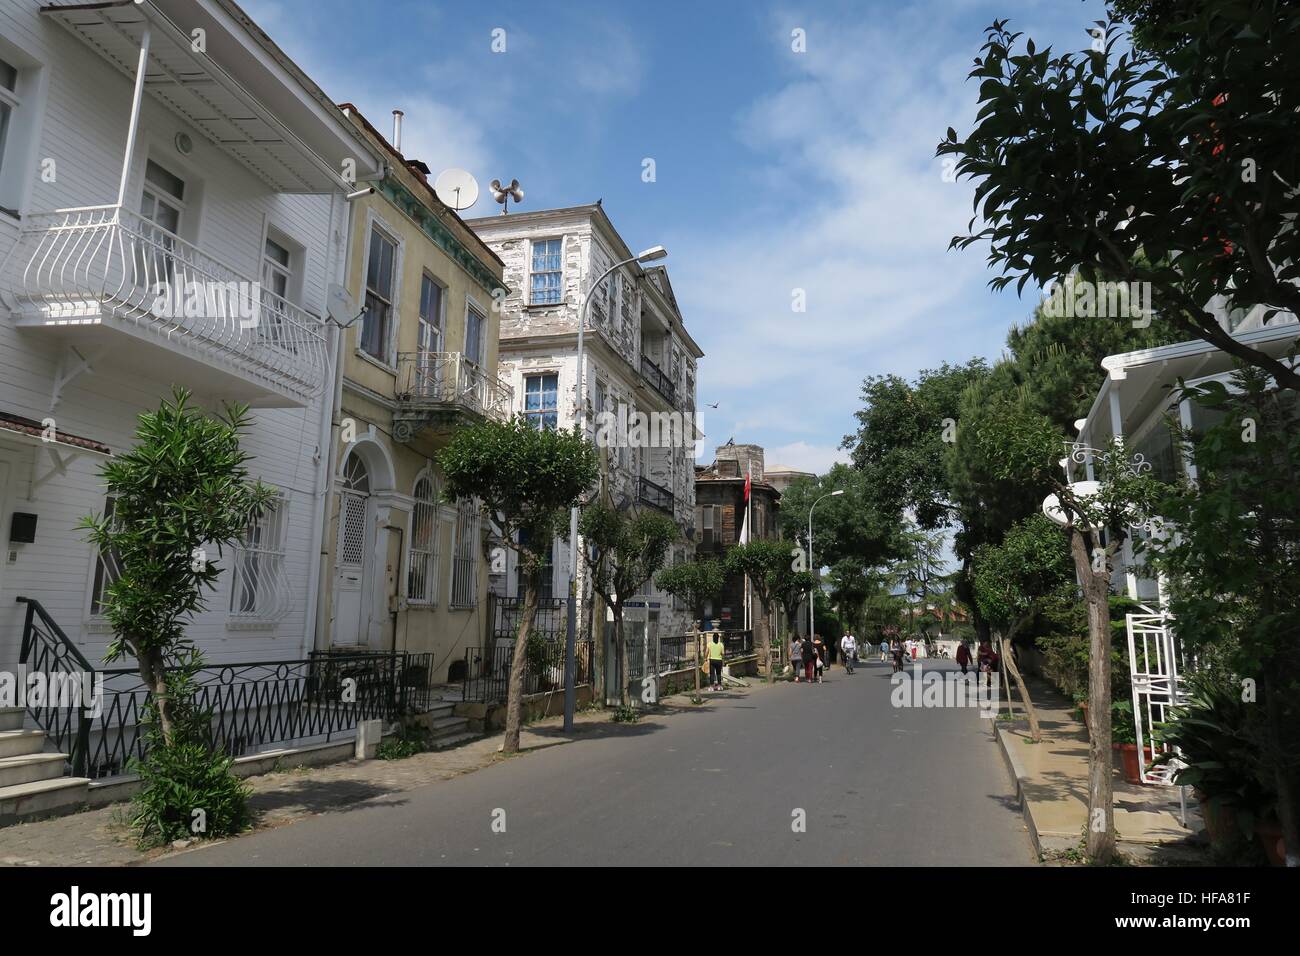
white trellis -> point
(1154, 670)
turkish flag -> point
(746, 486)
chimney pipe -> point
(397, 129)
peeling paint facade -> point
(640, 359)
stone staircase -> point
(32, 784)
(446, 730)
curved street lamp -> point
(580, 415)
(811, 601)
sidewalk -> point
(101, 837)
(1052, 785)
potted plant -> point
(1220, 760)
(1124, 739)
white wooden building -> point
(234, 177)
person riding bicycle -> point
(849, 648)
(899, 652)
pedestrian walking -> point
(716, 649)
(963, 656)
(808, 654)
(987, 659)
(821, 656)
(796, 656)
(898, 651)
(884, 651)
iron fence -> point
(487, 673)
(550, 621)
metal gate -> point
(1154, 665)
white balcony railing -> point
(77, 266)
(451, 379)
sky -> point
(781, 178)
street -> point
(715, 786)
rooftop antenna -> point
(456, 188)
(503, 194)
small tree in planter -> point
(524, 479)
(623, 549)
(693, 582)
(770, 566)
(180, 492)
(1012, 580)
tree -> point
(693, 582)
(524, 480)
(1173, 165)
(919, 569)
(1234, 567)
(1012, 580)
(623, 550)
(1018, 443)
(770, 565)
(181, 490)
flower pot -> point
(1269, 836)
(1217, 820)
(1128, 754)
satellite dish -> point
(456, 188)
(339, 305)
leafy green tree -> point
(623, 551)
(1012, 580)
(524, 479)
(694, 582)
(1026, 446)
(850, 526)
(1234, 567)
(1174, 163)
(771, 567)
(182, 490)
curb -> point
(1019, 776)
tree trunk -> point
(1035, 734)
(695, 636)
(153, 671)
(1101, 809)
(597, 649)
(515, 688)
(763, 640)
(621, 646)
(1282, 772)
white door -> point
(354, 548)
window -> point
(706, 524)
(162, 201)
(8, 103)
(108, 568)
(474, 335)
(377, 319)
(541, 397)
(276, 276)
(613, 286)
(430, 333)
(546, 280)
(259, 588)
(422, 563)
(464, 566)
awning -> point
(61, 447)
(241, 92)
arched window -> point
(422, 562)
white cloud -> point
(805, 457)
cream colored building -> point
(403, 568)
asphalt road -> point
(715, 786)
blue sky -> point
(775, 170)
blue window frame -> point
(546, 274)
(541, 404)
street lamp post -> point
(580, 415)
(811, 601)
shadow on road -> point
(317, 797)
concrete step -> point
(42, 798)
(442, 708)
(11, 718)
(30, 768)
(16, 743)
(455, 740)
(447, 725)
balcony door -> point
(429, 340)
(355, 548)
(162, 204)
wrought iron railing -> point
(46, 650)
(452, 380)
(74, 264)
(657, 496)
(252, 705)
(659, 379)
(550, 621)
(487, 673)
